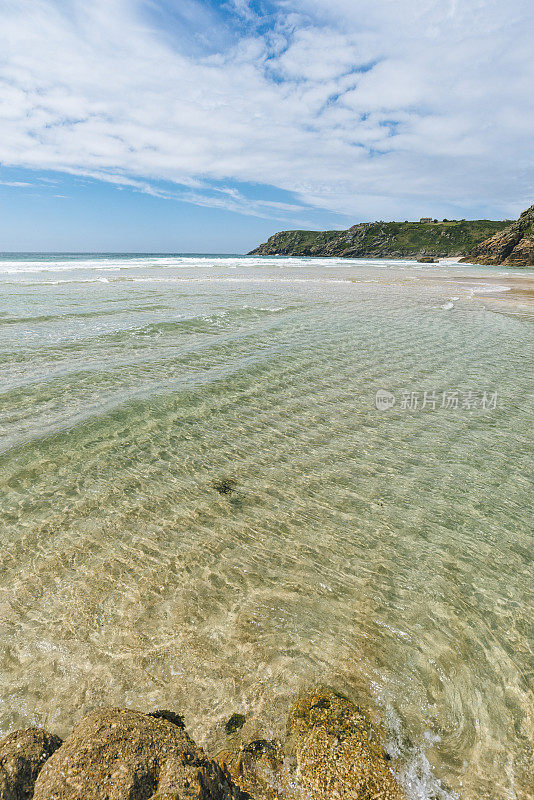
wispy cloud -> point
(16, 184)
(361, 108)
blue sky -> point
(159, 125)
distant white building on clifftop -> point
(425, 219)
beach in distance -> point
(227, 480)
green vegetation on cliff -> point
(385, 240)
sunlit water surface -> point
(386, 553)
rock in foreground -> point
(511, 247)
(22, 756)
(331, 752)
(115, 754)
(338, 753)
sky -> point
(206, 126)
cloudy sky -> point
(202, 125)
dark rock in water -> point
(427, 260)
(225, 486)
(235, 722)
(22, 756)
(127, 755)
(170, 716)
(337, 750)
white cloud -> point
(366, 108)
(16, 184)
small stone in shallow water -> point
(170, 716)
(235, 722)
(225, 486)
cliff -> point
(513, 246)
(384, 240)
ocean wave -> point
(171, 280)
(14, 266)
(7, 319)
(11, 266)
(246, 280)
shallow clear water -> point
(387, 553)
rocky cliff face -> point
(384, 240)
(513, 246)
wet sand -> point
(506, 289)
(521, 288)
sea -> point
(225, 479)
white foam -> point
(21, 267)
(491, 287)
(415, 775)
(211, 279)
(420, 783)
(10, 266)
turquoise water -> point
(386, 552)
